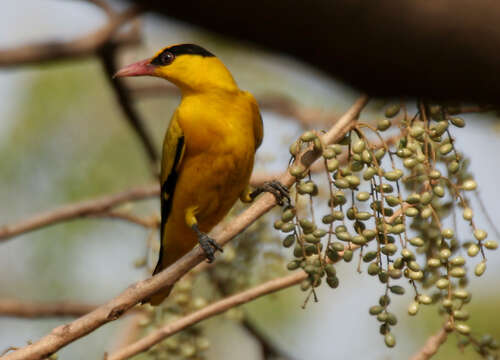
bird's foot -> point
(274, 187)
(208, 244)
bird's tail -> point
(163, 262)
(161, 295)
(170, 251)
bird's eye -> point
(166, 58)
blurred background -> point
(63, 139)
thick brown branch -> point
(208, 311)
(77, 210)
(15, 308)
(65, 334)
(431, 346)
(86, 45)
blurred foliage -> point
(484, 319)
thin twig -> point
(486, 214)
(431, 346)
(218, 307)
(31, 310)
(151, 222)
(16, 308)
(109, 63)
(99, 208)
(208, 311)
(104, 6)
(84, 46)
(130, 331)
(112, 310)
(77, 210)
(268, 350)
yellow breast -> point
(220, 148)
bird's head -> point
(189, 66)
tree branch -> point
(81, 209)
(112, 310)
(151, 222)
(216, 308)
(100, 207)
(431, 346)
(107, 54)
(130, 331)
(208, 311)
(84, 46)
(104, 6)
(31, 310)
(268, 350)
(16, 308)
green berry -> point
(462, 329)
(472, 250)
(392, 110)
(363, 196)
(413, 308)
(480, 268)
(491, 245)
(383, 124)
(469, 185)
(389, 340)
(480, 234)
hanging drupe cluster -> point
(391, 185)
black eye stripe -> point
(165, 58)
(192, 49)
(168, 55)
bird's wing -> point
(258, 128)
(173, 151)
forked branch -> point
(65, 334)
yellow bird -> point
(208, 150)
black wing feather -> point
(166, 204)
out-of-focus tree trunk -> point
(439, 48)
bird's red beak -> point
(140, 68)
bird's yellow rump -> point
(208, 151)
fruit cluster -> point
(391, 186)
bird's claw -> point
(209, 246)
(276, 188)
